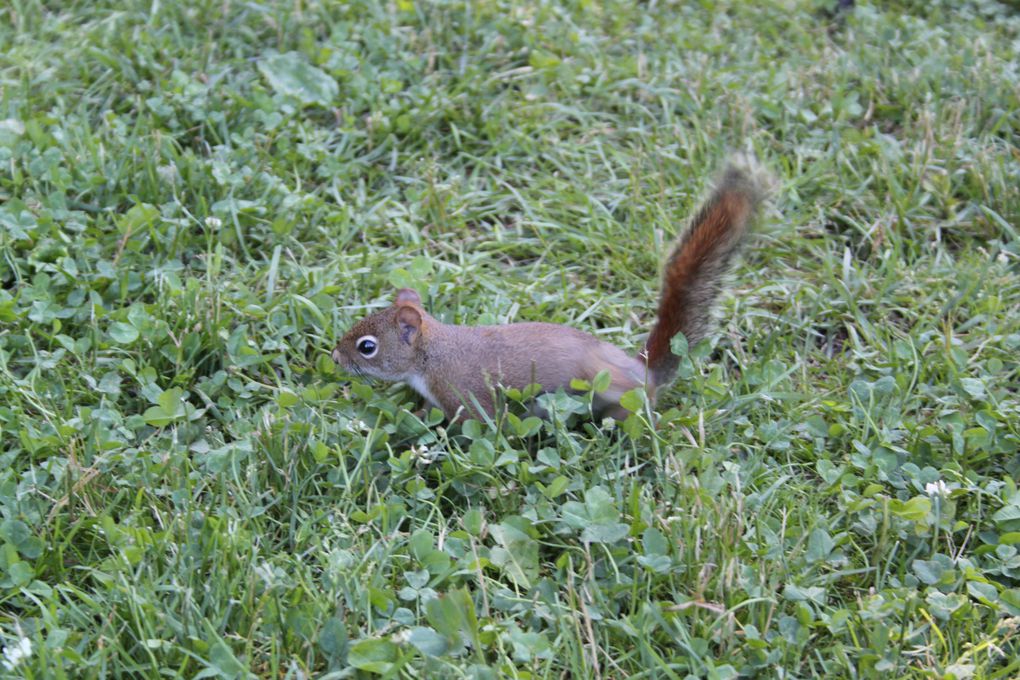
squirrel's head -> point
(385, 344)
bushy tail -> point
(695, 269)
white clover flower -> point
(424, 456)
(938, 488)
(168, 173)
(14, 654)
(356, 426)
(12, 126)
(213, 222)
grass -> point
(196, 199)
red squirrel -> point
(458, 368)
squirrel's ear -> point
(408, 323)
(407, 295)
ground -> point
(197, 198)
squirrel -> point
(457, 368)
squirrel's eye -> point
(367, 346)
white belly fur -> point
(422, 388)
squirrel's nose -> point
(337, 355)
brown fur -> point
(693, 275)
(460, 367)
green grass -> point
(188, 222)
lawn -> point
(198, 198)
